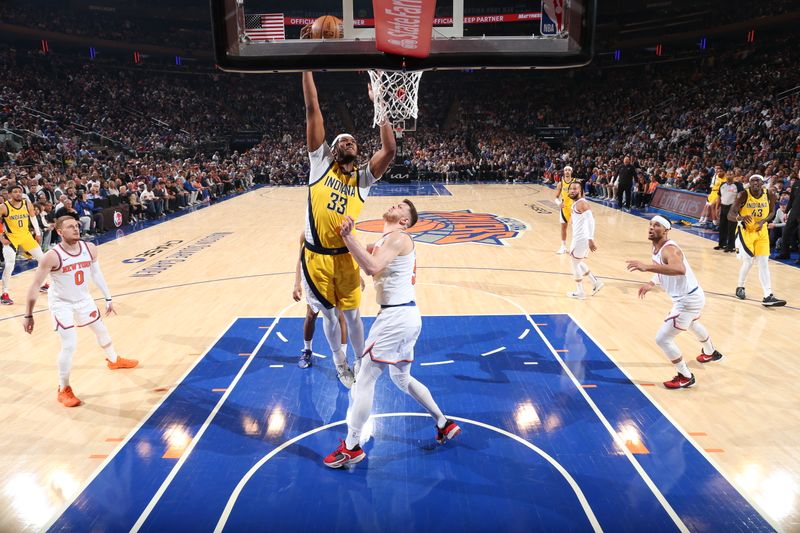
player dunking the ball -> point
(671, 270)
(71, 265)
(337, 188)
(392, 264)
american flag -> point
(265, 27)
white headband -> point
(567, 167)
(339, 137)
(663, 221)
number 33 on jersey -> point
(332, 194)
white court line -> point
(530, 363)
(437, 363)
(315, 354)
(276, 366)
(223, 519)
(133, 432)
(281, 337)
(617, 439)
(614, 435)
(175, 469)
(666, 415)
(524, 333)
(500, 349)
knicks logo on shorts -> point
(457, 227)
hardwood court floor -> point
(237, 259)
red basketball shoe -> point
(341, 456)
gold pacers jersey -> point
(330, 199)
(565, 188)
(17, 221)
(757, 208)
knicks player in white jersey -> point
(671, 270)
(582, 241)
(71, 265)
(391, 261)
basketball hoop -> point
(395, 94)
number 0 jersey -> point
(332, 195)
(70, 281)
(17, 220)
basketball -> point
(327, 27)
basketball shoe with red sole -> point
(341, 456)
(448, 432)
(680, 382)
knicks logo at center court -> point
(457, 227)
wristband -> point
(108, 299)
(27, 316)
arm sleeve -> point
(655, 280)
(365, 180)
(35, 222)
(320, 160)
(99, 280)
(590, 223)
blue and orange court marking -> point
(555, 437)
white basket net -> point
(395, 95)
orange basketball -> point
(326, 27)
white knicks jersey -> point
(394, 284)
(70, 281)
(582, 223)
(676, 286)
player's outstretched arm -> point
(315, 127)
(380, 161)
(49, 262)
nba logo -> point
(552, 21)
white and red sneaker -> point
(341, 456)
(5, 299)
(448, 432)
(680, 382)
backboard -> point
(264, 35)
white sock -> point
(307, 345)
(104, 339)
(683, 369)
(69, 342)
(747, 264)
(701, 334)
(339, 357)
(763, 274)
(579, 288)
